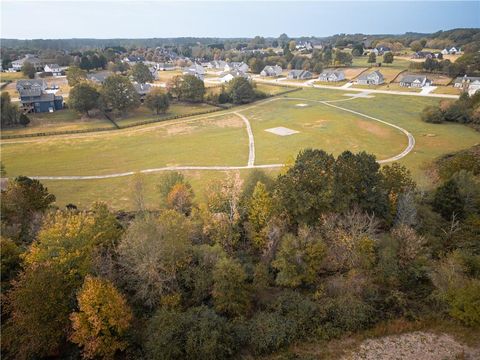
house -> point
(133, 59)
(423, 55)
(304, 46)
(32, 59)
(196, 70)
(453, 50)
(373, 78)
(380, 50)
(416, 81)
(53, 68)
(230, 75)
(299, 74)
(236, 66)
(99, 77)
(142, 89)
(34, 97)
(445, 52)
(468, 83)
(217, 64)
(332, 76)
(271, 71)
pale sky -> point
(147, 19)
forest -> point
(331, 246)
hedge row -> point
(219, 107)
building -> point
(304, 46)
(468, 83)
(373, 78)
(133, 59)
(32, 59)
(34, 97)
(423, 55)
(196, 70)
(142, 89)
(299, 74)
(332, 76)
(271, 71)
(53, 68)
(445, 52)
(416, 81)
(230, 75)
(241, 66)
(99, 77)
(380, 50)
(453, 50)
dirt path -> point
(251, 141)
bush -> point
(198, 333)
(465, 303)
(432, 114)
(269, 332)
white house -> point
(373, 78)
(332, 76)
(53, 68)
(416, 81)
(230, 75)
(445, 52)
(453, 50)
(32, 59)
(236, 66)
(271, 71)
(299, 75)
(468, 83)
(195, 70)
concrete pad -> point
(301, 105)
(282, 131)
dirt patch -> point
(373, 128)
(180, 129)
(231, 122)
(416, 345)
(316, 124)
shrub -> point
(465, 303)
(432, 114)
(269, 332)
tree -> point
(141, 73)
(24, 120)
(292, 45)
(299, 259)
(186, 88)
(9, 111)
(260, 210)
(75, 75)
(180, 198)
(83, 97)
(256, 65)
(357, 49)
(119, 94)
(388, 57)
(166, 184)
(38, 306)
(396, 180)
(28, 70)
(416, 45)
(157, 100)
(85, 63)
(343, 58)
(305, 191)
(151, 255)
(23, 203)
(230, 292)
(372, 58)
(432, 114)
(448, 201)
(102, 320)
(10, 261)
(241, 91)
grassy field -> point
(143, 113)
(11, 76)
(270, 89)
(398, 63)
(221, 139)
(450, 90)
(62, 120)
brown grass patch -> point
(373, 128)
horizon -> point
(213, 19)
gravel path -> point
(251, 141)
(414, 346)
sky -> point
(146, 19)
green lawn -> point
(221, 139)
(143, 113)
(398, 63)
(62, 120)
(270, 89)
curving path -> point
(251, 155)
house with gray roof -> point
(332, 76)
(34, 98)
(299, 75)
(53, 68)
(142, 89)
(99, 77)
(236, 66)
(271, 71)
(471, 84)
(373, 78)
(416, 81)
(196, 70)
(228, 76)
(32, 59)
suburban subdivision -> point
(256, 197)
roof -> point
(296, 72)
(331, 72)
(460, 79)
(142, 88)
(412, 78)
(365, 76)
(99, 76)
(26, 84)
(53, 66)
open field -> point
(270, 89)
(450, 90)
(11, 76)
(142, 113)
(221, 139)
(165, 76)
(398, 63)
(63, 120)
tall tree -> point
(28, 69)
(157, 100)
(372, 58)
(102, 319)
(388, 57)
(241, 91)
(75, 75)
(83, 98)
(141, 73)
(119, 94)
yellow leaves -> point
(103, 318)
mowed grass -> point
(142, 113)
(319, 126)
(62, 120)
(270, 89)
(431, 140)
(212, 141)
